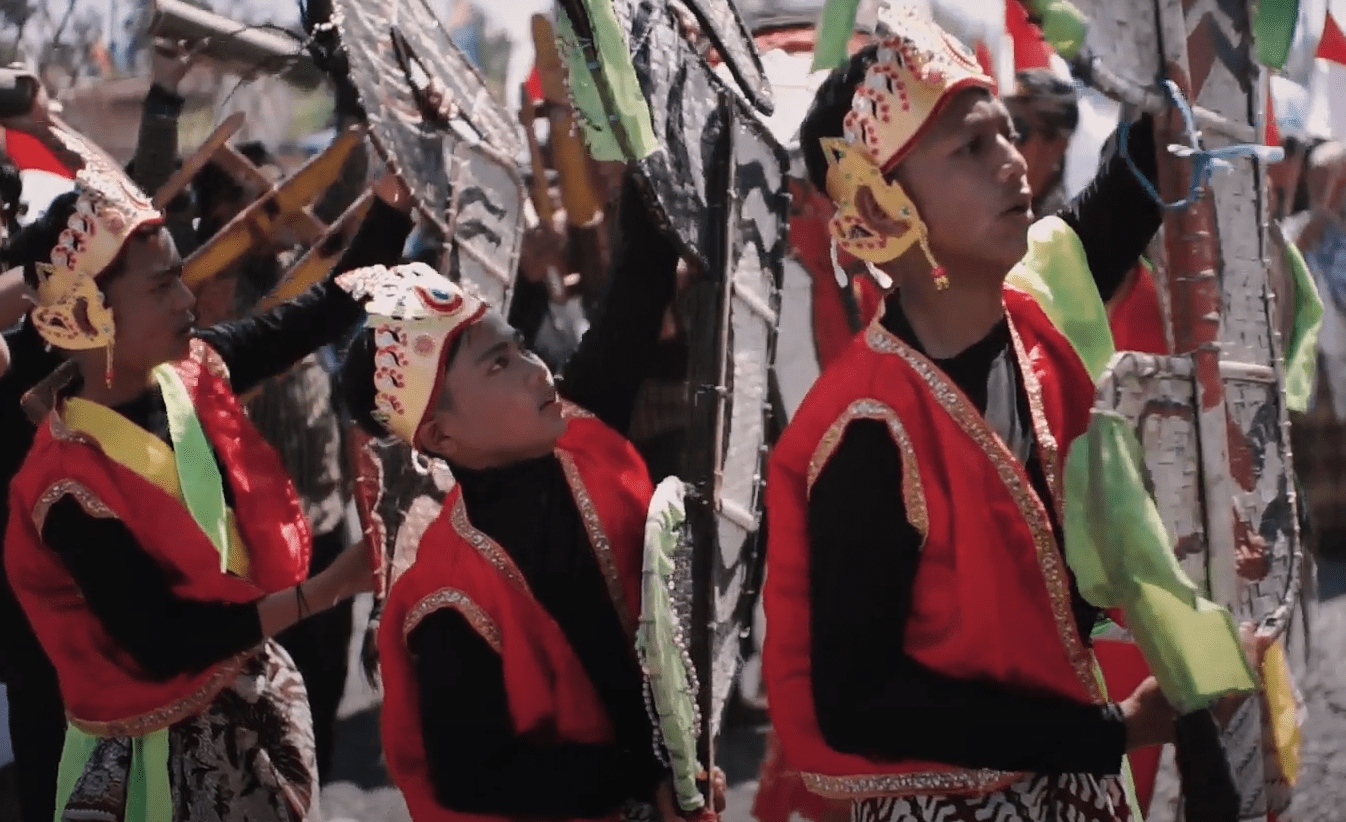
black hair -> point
(1052, 103)
(357, 379)
(212, 186)
(827, 115)
(11, 196)
(257, 153)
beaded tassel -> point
(937, 272)
(107, 369)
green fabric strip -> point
(1116, 543)
(1301, 351)
(1274, 30)
(832, 38)
(1056, 273)
(1063, 26)
(149, 798)
(1120, 551)
(198, 474)
(613, 113)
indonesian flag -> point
(1327, 84)
(44, 177)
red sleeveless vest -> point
(983, 609)
(459, 567)
(105, 692)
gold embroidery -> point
(172, 713)
(571, 411)
(64, 433)
(1046, 439)
(909, 784)
(205, 354)
(480, 621)
(598, 539)
(1016, 481)
(486, 546)
(913, 493)
(88, 500)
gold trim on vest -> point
(205, 355)
(598, 540)
(480, 621)
(571, 411)
(172, 713)
(88, 500)
(913, 492)
(486, 546)
(1046, 439)
(64, 433)
(909, 784)
(1016, 481)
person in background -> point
(1045, 110)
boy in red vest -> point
(155, 541)
(511, 683)
(928, 655)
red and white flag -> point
(1327, 84)
(44, 177)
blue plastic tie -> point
(1204, 160)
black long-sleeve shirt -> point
(872, 698)
(127, 591)
(479, 763)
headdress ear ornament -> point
(70, 311)
(919, 68)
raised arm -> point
(614, 357)
(1115, 217)
(864, 556)
(157, 145)
(259, 347)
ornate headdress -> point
(919, 69)
(415, 314)
(109, 209)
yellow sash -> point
(140, 451)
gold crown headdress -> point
(109, 209)
(919, 69)
(415, 313)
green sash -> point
(1116, 543)
(613, 113)
(148, 795)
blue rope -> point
(1204, 161)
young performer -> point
(927, 655)
(510, 678)
(154, 541)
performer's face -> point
(151, 306)
(497, 404)
(970, 184)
